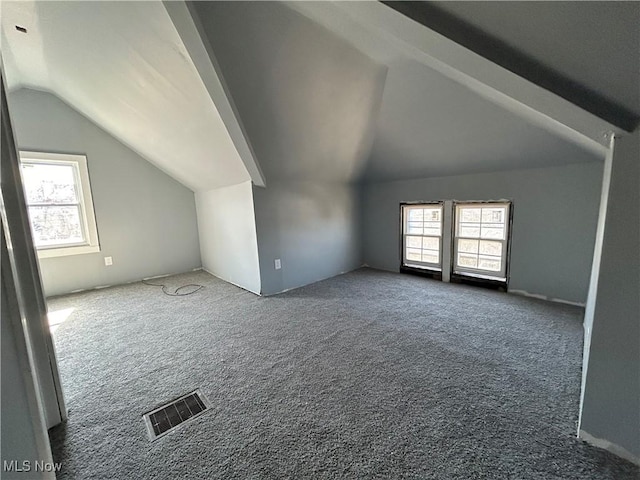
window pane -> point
(415, 215)
(44, 183)
(432, 214)
(492, 264)
(493, 215)
(467, 260)
(415, 228)
(431, 243)
(470, 230)
(430, 256)
(414, 254)
(492, 232)
(468, 246)
(414, 242)
(432, 227)
(490, 248)
(470, 214)
(53, 225)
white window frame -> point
(87, 214)
(413, 263)
(478, 272)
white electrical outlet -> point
(278, 264)
(108, 261)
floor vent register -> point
(166, 418)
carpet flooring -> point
(365, 375)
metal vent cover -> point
(166, 418)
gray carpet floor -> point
(365, 375)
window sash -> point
(83, 203)
(427, 230)
(487, 227)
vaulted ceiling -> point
(325, 92)
(587, 52)
(123, 65)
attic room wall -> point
(228, 242)
(313, 228)
(308, 102)
(554, 222)
(611, 408)
(146, 220)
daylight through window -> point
(422, 235)
(481, 236)
(59, 201)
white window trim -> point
(480, 273)
(92, 245)
(415, 264)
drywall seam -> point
(595, 270)
(609, 446)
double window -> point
(60, 205)
(477, 246)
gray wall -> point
(146, 220)
(308, 102)
(312, 227)
(611, 409)
(228, 243)
(554, 222)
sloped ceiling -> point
(317, 103)
(586, 52)
(430, 126)
(308, 100)
(123, 65)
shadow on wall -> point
(312, 227)
(308, 100)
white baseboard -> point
(609, 446)
(524, 293)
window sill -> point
(481, 276)
(479, 280)
(422, 271)
(66, 251)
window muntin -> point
(481, 236)
(58, 196)
(422, 236)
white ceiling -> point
(123, 65)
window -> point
(59, 201)
(481, 236)
(422, 236)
